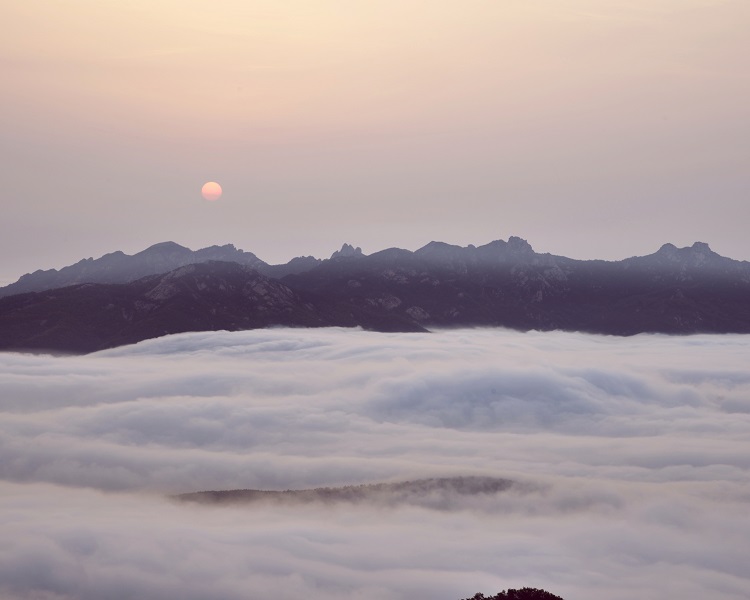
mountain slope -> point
(506, 284)
(118, 267)
(88, 317)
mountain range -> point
(120, 299)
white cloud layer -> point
(631, 455)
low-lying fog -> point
(630, 457)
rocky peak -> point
(667, 250)
(698, 256)
(227, 252)
(518, 245)
(514, 250)
(702, 248)
(347, 251)
(696, 251)
(702, 255)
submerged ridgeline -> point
(121, 299)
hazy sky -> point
(592, 128)
(631, 454)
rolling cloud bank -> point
(627, 459)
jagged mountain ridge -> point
(118, 267)
(506, 284)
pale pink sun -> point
(211, 191)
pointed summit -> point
(697, 248)
(697, 256)
(347, 251)
(702, 247)
(519, 245)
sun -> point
(211, 191)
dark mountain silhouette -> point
(686, 290)
(119, 267)
(199, 297)
(505, 284)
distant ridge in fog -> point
(436, 493)
(103, 303)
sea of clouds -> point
(631, 458)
